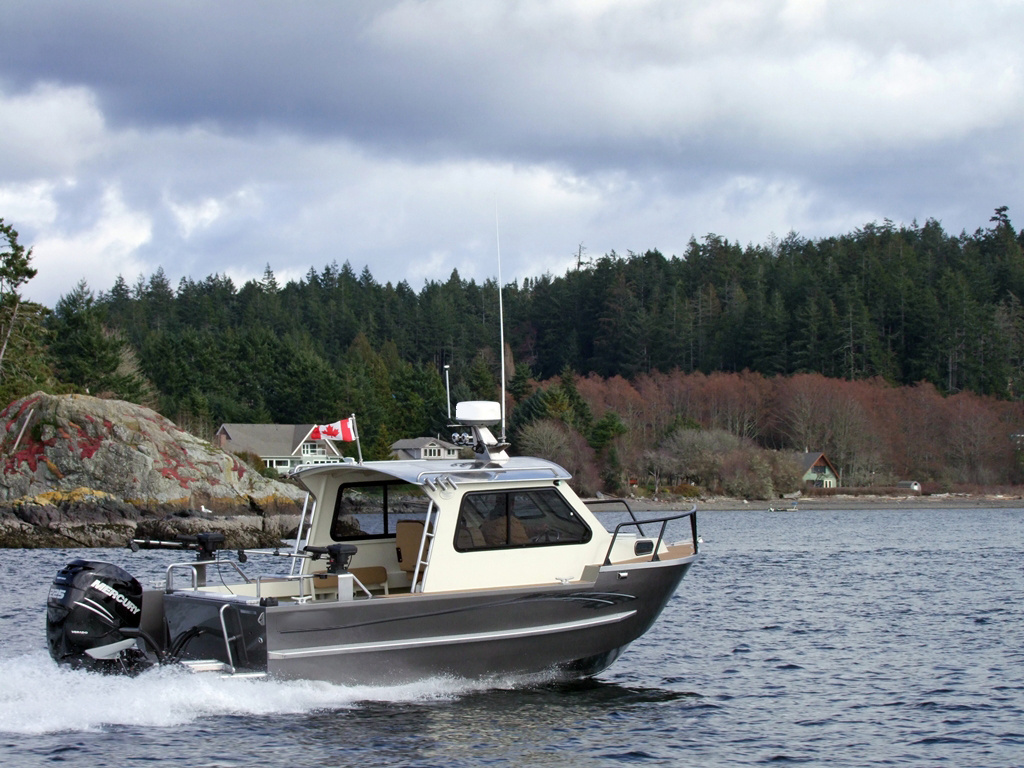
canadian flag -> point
(340, 430)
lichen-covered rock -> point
(71, 460)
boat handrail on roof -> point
(445, 476)
(418, 471)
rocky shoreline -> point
(110, 523)
(80, 471)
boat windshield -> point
(522, 518)
(371, 510)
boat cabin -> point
(457, 527)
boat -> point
(477, 568)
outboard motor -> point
(93, 614)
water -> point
(825, 638)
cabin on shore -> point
(818, 471)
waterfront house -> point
(277, 445)
(818, 471)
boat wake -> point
(39, 697)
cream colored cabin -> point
(438, 529)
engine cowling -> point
(91, 611)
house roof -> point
(809, 459)
(264, 439)
(421, 442)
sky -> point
(417, 137)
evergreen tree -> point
(86, 354)
(17, 323)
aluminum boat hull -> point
(560, 631)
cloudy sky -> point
(219, 137)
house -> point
(424, 448)
(818, 471)
(276, 444)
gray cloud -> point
(220, 136)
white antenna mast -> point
(501, 322)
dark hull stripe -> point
(421, 642)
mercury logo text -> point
(113, 594)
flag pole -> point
(355, 433)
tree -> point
(88, 355)
(480, 377)
(15, 271)
(520, 387)
(24, 359)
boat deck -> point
(671, 552)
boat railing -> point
(228, 638)
(591, 503)
(662, 522)
(197, 572)
(444, 477)
(195, 569)
(302, 578)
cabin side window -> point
(371, 510)
(512, 519)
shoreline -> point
(254, 531)
(838, 502)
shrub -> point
(746, 474)
(556, 442)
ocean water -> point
(838, 638)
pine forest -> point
(896, 350)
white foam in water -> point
(40, 697)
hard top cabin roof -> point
(435, 472)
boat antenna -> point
(501, 322)
(448, 390)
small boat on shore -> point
(469, 568)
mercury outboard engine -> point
(92, 618)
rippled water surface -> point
(827, 638)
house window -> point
(313, 449)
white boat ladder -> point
(300, 540)
(426, 546)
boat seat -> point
(470, 537)
(408, 535)
(372, 576)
